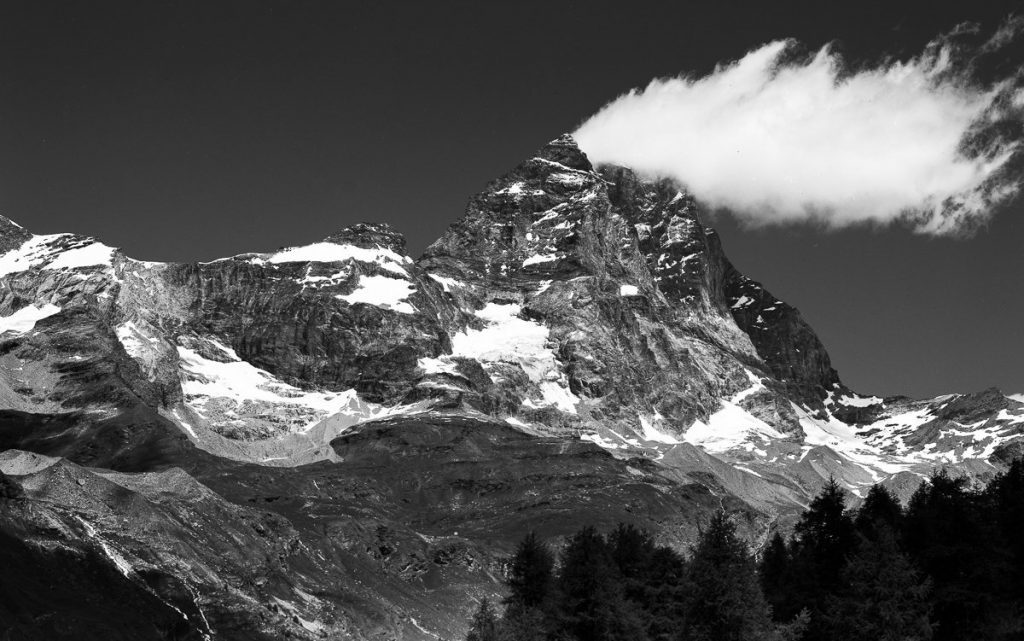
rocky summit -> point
(338, 439)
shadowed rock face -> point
(336, 439)
(784, 341)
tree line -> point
(948, 566)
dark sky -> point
(192, 130)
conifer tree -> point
(528, 606)
(773, 572)
(484, 626)
(530, 574)
(823, 539)
(825, 532)
(668, 585)
(725, 602)
(591, 603)
(631, 549)
(880, 512)
(652, 579)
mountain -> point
(337, 438)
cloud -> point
(777, 138)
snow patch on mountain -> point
(316, 282)
(507, 337)
(555, 394)
(540, 258)
(755, 386)
(447, 284)
(730, 428)
(94, 254)
(234, 392)
(382, 291)
(601, 441)
(569, 179)
(742, 301)
(852, 400)
(652, 433)
(137, 342)
(26, 318)
(324, 252)
(56, 251)
(517, 189)
(441, 365)
(1006, 416)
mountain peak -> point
(369, 236)
(565, 151)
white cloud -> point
(777, 142)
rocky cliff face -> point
(577, 347)
(787, 345)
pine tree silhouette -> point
(592, 604)
(823, 539)
(725, 602)
(484, 626)
(531, 597)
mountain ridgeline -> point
(339, 439)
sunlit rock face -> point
(358, 437)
